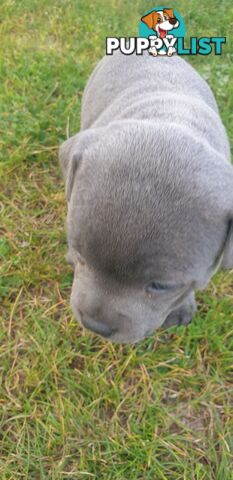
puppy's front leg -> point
(170, 48)
(227, 259)
(170, 51)
(153, 51)
(183, 314)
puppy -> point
(161, 22)
(150, 196)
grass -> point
(73, 406)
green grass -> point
(73, 406)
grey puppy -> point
(150, 196)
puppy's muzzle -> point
(97, 327)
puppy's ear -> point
(151, 19)
(71, 155)
(169, 12)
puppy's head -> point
(148, 217)
(161, 21)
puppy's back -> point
(162, 90)
(120, 78)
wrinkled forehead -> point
(134, 262)
(137, 246)
(130, 221)
(113, 257)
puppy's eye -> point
(166, 17)
(156, 287)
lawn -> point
(73, 406)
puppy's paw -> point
(182, 315)
(153, 51)
(171, 51)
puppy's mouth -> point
(162, 33)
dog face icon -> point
(161, 21)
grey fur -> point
(150, 195)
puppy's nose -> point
(173, 20)
(97, 327)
